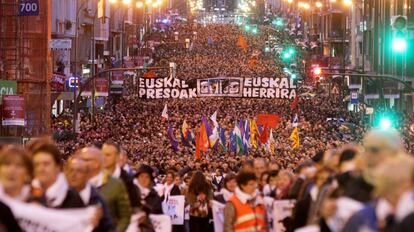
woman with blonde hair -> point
(15, 173)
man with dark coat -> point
(149, 198)
(77, 175)
(7, 221)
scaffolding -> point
(25, 58)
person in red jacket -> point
(245, 211)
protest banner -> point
(268, 203)
(33, 217)
(158, 88)
(218, 215)
(281, 210)
(160, 223)
(174, 207)
(257, 87)
(13, 110)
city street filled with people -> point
(146, 164)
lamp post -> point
(347, 4)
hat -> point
(145, 169)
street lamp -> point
(347, 2)
(139, 4)
(126, 2)
(318, 4)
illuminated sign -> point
(74, 82)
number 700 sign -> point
(28, 7)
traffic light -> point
(247, 27)
(385, 123)
(288, 54)
(385, 120)
(255, 30)
(316, 71)
(278, 22)
(399, 28)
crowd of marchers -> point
(347, 188)
(134, 122)
(123, 161)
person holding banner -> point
(245, 211)
(200, 192)
(15, 173)
(77, 175)
(47, 162)
(149, 198)
(112, 190)
(8, 222)
(171, 189)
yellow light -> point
(347, 2)
(113, 1)
(140, 4)
(332, 0)
(155, 4)
(289, 1)
(126, 2)
(304, 5)
(148, 2)
(318, 4)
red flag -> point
(269, 120)
(264, 136)
(202, 142)
(150, 74)
(294, 103)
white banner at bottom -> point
(33, 217)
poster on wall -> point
(13, 110)
(117, 78)
(57, 83)
(101, 87)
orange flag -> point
(252, 62)
(202, 142)
(242, 43)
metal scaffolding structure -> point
(25, 57)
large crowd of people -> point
(340, 178)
